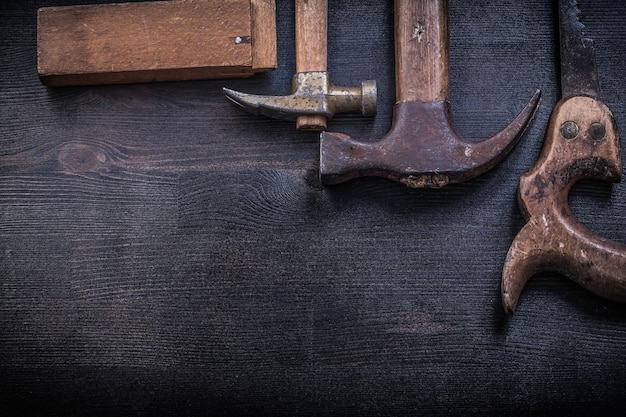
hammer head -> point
(312, 94)
(422, 149)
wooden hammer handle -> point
(311, 48)
(311, 35)
(422, 57)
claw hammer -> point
(313, 98)
(422, 149)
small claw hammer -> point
(314, 98)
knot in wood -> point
(80, 157)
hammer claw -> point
(493, 150)
(278, 107)
(312, 94)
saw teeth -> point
(578, 15)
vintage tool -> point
(313, 98)
(422, 148)
(581, 141)
(155, 41)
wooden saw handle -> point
(582, 141)
(311, 48)
(422, 57)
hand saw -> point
(581, 141)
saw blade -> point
(578, 69)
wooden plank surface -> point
(164, 253)
(155, 41)
(263, 18)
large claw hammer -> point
(314, 98)
(422, 149)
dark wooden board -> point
(164, 253)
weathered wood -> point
(311, 48)
(422, 57)
(155, 41)
(311, 35)
(264, 49)
(164, 254)
(582, 142)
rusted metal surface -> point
(582, 141)
(422, 148)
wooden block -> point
(155, 41)
(264, 51)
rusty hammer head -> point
(422, 149)
(312, 94)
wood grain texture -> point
(263, 18)
(311, 35)
(154, 41)
(163, 253)
(422, 56)
(311, 48)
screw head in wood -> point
(569, 129)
